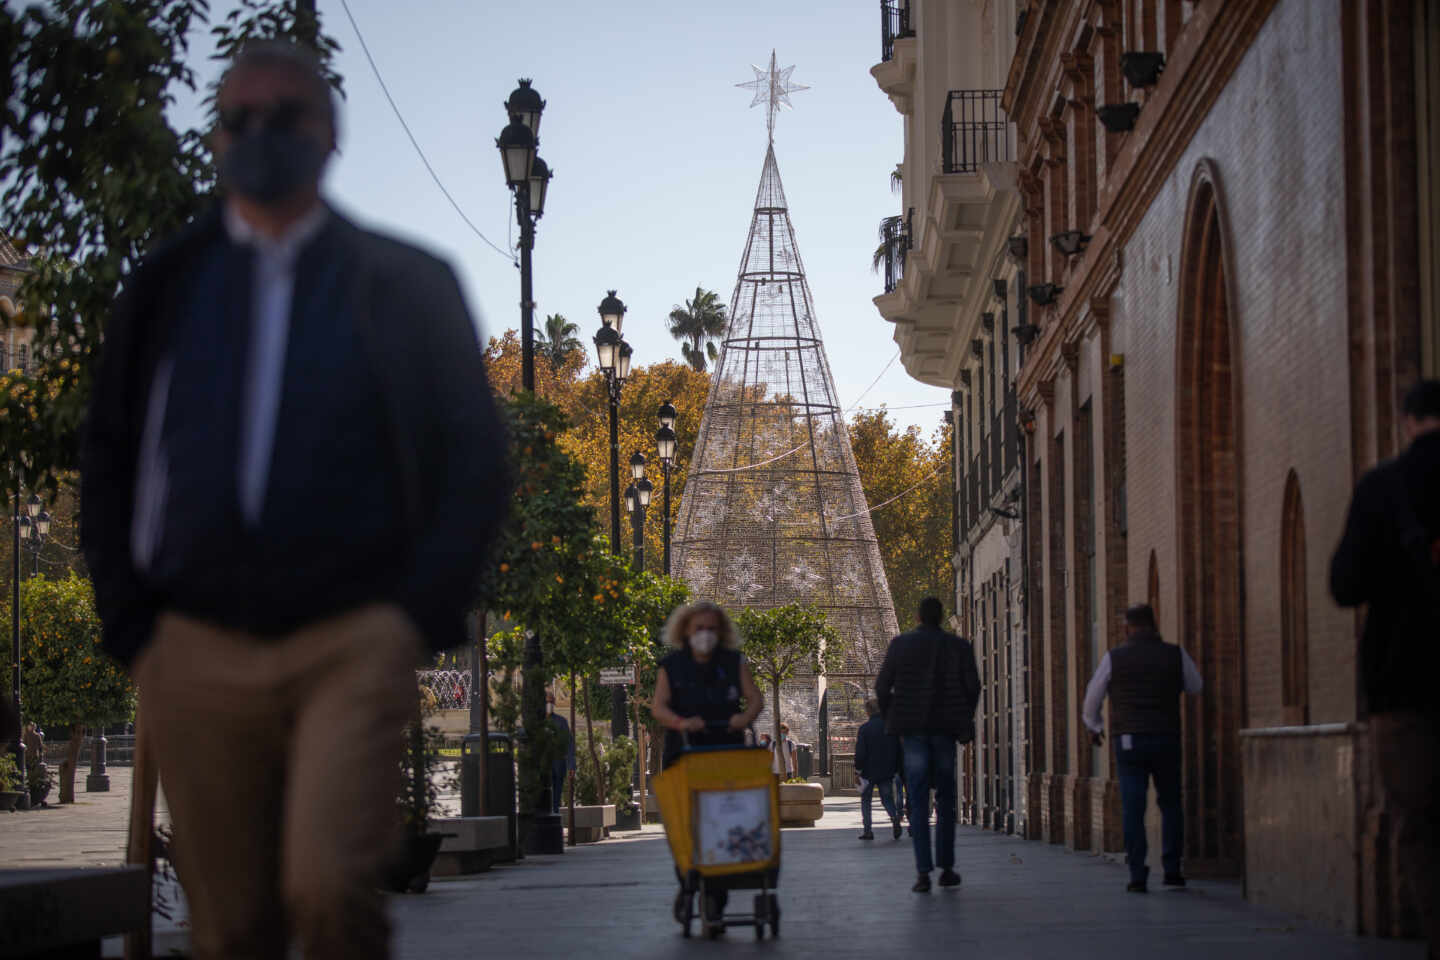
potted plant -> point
(418, 798)
(9, 782)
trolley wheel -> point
(774, 912)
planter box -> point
(801, 804)
(478, 842)
(591, 822)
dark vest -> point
(330, 535)
(1146, 680)
(710, 691)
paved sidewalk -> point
(840, 898)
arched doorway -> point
(1210, 615)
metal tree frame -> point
(773, 510)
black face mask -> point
(268, 165)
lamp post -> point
(613, 356)
(23, 521)
(665, 444)
(528, 178)
(637, 501)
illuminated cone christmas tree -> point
(773, 510)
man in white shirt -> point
(1144, 678)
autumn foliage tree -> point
(913, 530)
(67, 681)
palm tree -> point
(890, 237)
(697, 325)
(558, 340)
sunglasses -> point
(283, 115)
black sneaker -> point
(1174, 880)
(949, 878)
(923, 884)
(1136, 886)
(867, 835)
(895, 824)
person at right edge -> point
(1389, 559)
(1144, 677)
(928, 688)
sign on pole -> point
(617, 676)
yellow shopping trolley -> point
(721, 810)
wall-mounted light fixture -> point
(1018, 247)
(1119, 117)
(964, 379)
(999, 286)
(1026, 333)
(1070, 242)
(987, 323)
(977, 349)
(1044, 294)
(1142, 69)
(1027, 420)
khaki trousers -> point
(278, 760)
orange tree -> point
(781, 642)
(542, 544)
(914, 530)
(66, 679)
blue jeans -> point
(886, 789)
(1140, 756)
(557, 789)
(930, 762)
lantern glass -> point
(630, 496)
(539, 184)
(666, 415)
(33, 505)
(42, 523)
(612, 311)
(665, 442)
(622, 364)
(643, 490)
(637, 466)
(27, 530)
(517, 152)
(607, 347)
(525, 105)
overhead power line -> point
(413, 142)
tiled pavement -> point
(840, 898)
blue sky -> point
(656, 156)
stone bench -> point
(68, 912)
(591, 822)
(477, 843)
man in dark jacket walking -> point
(1389, 559)
(928, 688)
(291, 473)
(877, 756)
(1144, 678)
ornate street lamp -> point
(665, 442)
(613, 355)
(612, 311)
(528, 178)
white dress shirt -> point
(272, 289)
(1100, 685)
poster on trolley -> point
(732, 826)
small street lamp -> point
(637, 501)
(528, 178)
(23, 526)
(613, 355)
(665, 444)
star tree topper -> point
(773, 87)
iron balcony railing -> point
(973, 131)
(997, 453)
(894, 244)
(894, 24)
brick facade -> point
(1209, 375)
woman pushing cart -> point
(718, 798)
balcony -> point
(968, 210)
(894, 244)
(894, 25)
(973, 131)
(895, 73)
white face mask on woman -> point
(703, 641)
